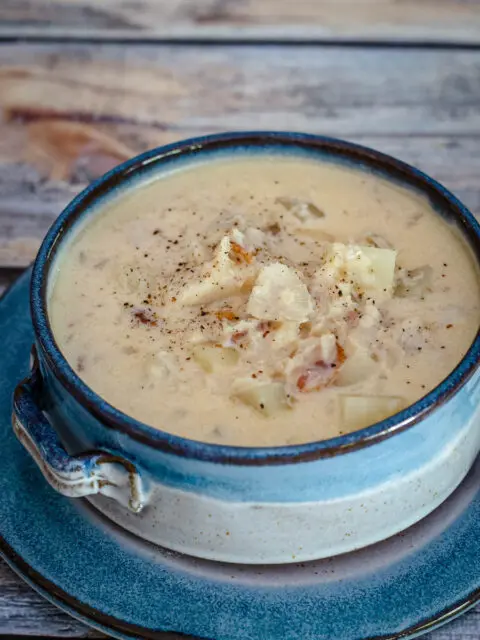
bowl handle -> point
(72, 476)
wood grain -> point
(451, 21)
(70, 112)
(343, 91)
(24, 612)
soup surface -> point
(264, 300)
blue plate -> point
(400, 588)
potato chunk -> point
(370, 268)
(414, 282)
(213, 358)
(301, 209)
(266, 397)
(361, 411)
(357, 367)
(380, 272)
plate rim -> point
(106, 623)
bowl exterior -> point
(255, 506)
(289, 512)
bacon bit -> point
(238, 335)
(341, 356)
(323, 375)
(240, 254)
(353, 318)
(226, 314)
(302, 381)
(146, 317)
(266, 327)
(306, 382)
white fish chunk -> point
(280, 294)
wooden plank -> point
(451, 21)
(464, 628)
(337, 90)
(24, 613)
(70, 112)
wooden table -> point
(86, 84)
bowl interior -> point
(165, 160)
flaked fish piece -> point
(231, 272)
(315, 365)
(280, 294)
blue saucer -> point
(400, 588)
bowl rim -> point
(113, 418)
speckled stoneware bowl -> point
(246, 505)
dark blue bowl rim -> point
(157, 439)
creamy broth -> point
(264, 300)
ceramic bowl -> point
(246, 505)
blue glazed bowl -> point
(246, 505)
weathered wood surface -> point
(347, 91)
(447, 21)
(25, 613)
(69, 112)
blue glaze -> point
(257, 505)
(326, 478)
(80, 415)
(131, 589)
(43, 437)
(84, 475)
(180, 154)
